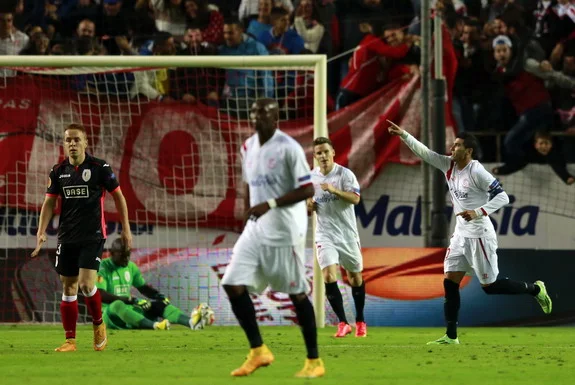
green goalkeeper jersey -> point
(119, 280)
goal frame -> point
(317, 62)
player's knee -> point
(355, 279)
(69, 285)
(329, 276)
(298, 298)
(234, 291)
(86, 288)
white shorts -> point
(348, 255)
(477, 255)
(258, 266)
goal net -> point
(171, 129)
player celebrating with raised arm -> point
(271, 248)
(120, 310)
(81, 180)
(475, 194)
(336, 236)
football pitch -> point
(387, 356)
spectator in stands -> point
(471, 87)
(365, 69)
(79, 10)
(169, 16)
(162, 45)
(48, 14)
(280, 39)
(564, 98)
(39, 44)
(496, 8)
(249, 8)
(308, 26)
(263, 21)
(243, 86)
(526, 92)
(113, 26)
(12, 41)
(512, 24)
(86, 27)
(202, 84)
(210, 22)
(544, 150)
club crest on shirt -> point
(86, 175)
(465, 183)
(272, 163)
(127, 276)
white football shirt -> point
(271, 171)
(469, 189)
(336, 221)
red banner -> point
(177, 164)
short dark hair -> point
(234, 21)
(543, 135)
(469, 141)
(322, 140)
(277, 12)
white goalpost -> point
(176, 151)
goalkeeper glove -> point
(162, 298)
(143, 304)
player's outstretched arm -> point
(45, 216)
(122, 208)
(439, 161)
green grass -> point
(487, 356)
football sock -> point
(451, 306)
(243, 308)
(129, 316)
(333, 295)
(175, 316)
(358, 294)
(69, 313)
(306, 319)
(507, 286)
(94, 304)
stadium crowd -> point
(514, 59)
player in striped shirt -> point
(336, 237)
(475, 194)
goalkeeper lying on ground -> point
(120, 310)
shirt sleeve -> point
(439, 161)
(109, 179)
(487, 182)
(350, 183)
(53, 189)
(138, 280)
(298, 165)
